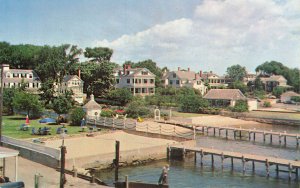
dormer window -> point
(30, 75)
(8, 75)
(144, 72)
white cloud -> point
(220, 34)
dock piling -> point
(268, 167)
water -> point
(185, 174)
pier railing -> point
(130, 124)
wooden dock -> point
(179, 152)
(237, 132)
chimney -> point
(79, 72)
(189, 69)
(200, 73)
(196, 76)
(178, 68)
(92, 97)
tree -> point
(77, 115)
(238, 85)
(61, 105)
(258, 84)
(47, 91)
(277, 91)
(8, 96)
(192, 103)
(121, 96)
(240, 106)
(98, 54)
(98, 78)
(27, 102)
(137, 108)
(236, 72)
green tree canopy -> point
(27, 102)
(8, 96)
(236, 72)
(238, 85)
(120, 95)
(98, 54)
(61, 105)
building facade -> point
(273, 81)
(140, 81)
(72, 83)
(214, 81)
(16, 77)
(184, 78)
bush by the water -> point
(295, 98)
(107, 113)
(77, 115)
(240, 106)
(209, 110)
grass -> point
(11, 127)
(186, 115)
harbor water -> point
(187, 173)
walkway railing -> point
(130, 124)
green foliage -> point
(190, 102)
(236, 72)
(121, 96)
(61, 105)
(8, 96)
(240, 106)
(27, 102)
(267, 104)
(47, 90)
(210, 110)
(77, 115)
(277, 91)
(277, 68)
(107, 113)
(98, 78)
(261, 94)
(137, 108)
(295, 98)
(238, 85)
(98, 54)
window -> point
(140, 81)
(144, 90)
(30, 75)
(177, 82)
(174, 75)
(171, 82)
(118, 80)
(145, 81)
(144, 73)
(151, 81)
(128, 81)
(8, 75)
(151, 90)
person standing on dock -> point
(163, 179)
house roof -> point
(227, 94)
(273, 78)
(92, 104)
(182, 75)
(290, 94)
(70, 77)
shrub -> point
(295, 98)
(267, 104)
(107, 113)
(137, 108)
(77, 115)
(240, 106)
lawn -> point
(11, 126)
(186, 115)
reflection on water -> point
(188, 174)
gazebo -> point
(92, 108)
(6, 153)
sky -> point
(208, 35)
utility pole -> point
(1, 104)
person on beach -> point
(163, 179)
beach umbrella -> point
(27, 119)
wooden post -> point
(285, 139)
(201, 157)
(194, 129)
(253, 166)
(254, 136)
(240, 134)
(117, 157)
(297, 173)
(244, 164)
(226, 133)
(222, 160)
(234, 134)
(183, 153)
(126, 182)
(277, 169)
(212, 160)
(249, 135)
(207, 130)
(195, 157)
(168, 152)
(63, 151)
(214, 131)
(203, 129)
(290, 171)
(297, 140)
(264, 136)
(279, 138)
(231, 163)
(268, 167)
(271, 137)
